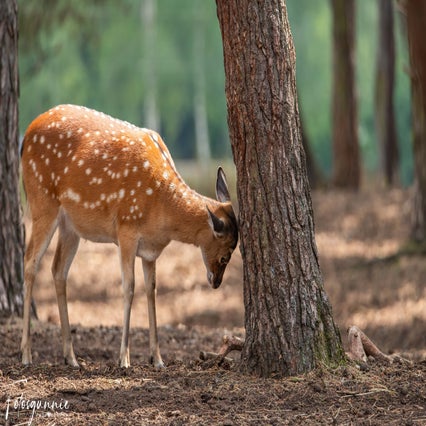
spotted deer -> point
(105, 180)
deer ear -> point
(217, 225)
(222, 193)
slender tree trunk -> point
(385, 78)
(315, 176)
(416, 19)
(346, 155)
(148, 13)
(288, 319)
(200, 105)
(11, 227)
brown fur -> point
(106, 180)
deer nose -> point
(214, 280)
(210, 277)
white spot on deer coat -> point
(72, 195)
(149, 191)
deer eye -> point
(224, 260)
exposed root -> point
(229, 344)
(361, 347)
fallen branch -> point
(229, 344)
(349, 394)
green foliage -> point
(92, 53)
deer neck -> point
(186, 213)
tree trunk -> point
(346, 155)
(315, 176)
(200, 105)
(416, 18)
(385, 78)
(288, 319)
(148, 13)
(11, 227)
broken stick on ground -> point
(229, 344)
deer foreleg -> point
(127, 257)
(151, 291)
(65, 251)
(42, 232)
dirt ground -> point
(373, 278)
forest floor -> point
(374, 279)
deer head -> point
(217, 249)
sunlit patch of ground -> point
(355, 234)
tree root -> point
(229, 344)
(361, 347)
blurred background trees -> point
(416, 16)
(346, 161)
(384, 94)
(135, 64)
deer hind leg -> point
(127, 248)
(150, 285)
(65, 251)
(43, 228)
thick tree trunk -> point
(385, 77)
(288, 319)
(11, 227)
(346, 155)
(416, 18)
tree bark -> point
(11, 227)
(385, 78)
(288, 319)
(346, 157)
(416, 18)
